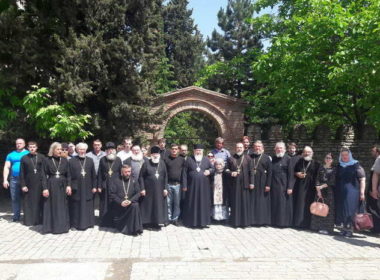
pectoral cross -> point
(238, 170)
(157, 175)
(57, 174)
(126, 197)
(254, 170)
(198, 169)
(110, 172)
(83, 172)
(35, 171)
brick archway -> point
(227, 112)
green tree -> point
(323, 64)
(233, 51)
(53, 120)
(191, 127)
(183, 42)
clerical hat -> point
(199, 146)
(155, 150)
(110, 145)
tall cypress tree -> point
(183, 42)
(232, 51)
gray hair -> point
(81, 145)
(280, 144)
(220, 161)
(52, 148)
(219, 140)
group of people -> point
(137, 191)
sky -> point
(205, 14)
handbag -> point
(318, 208)
(363, 220)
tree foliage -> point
(232, 51)
(324, 62)
(53, 120)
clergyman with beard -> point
(154, 180)
(306, 171)
(196, 183)
(109, 166)
(125, 193)
(135, 161)
(83, 186)
(242, 182)
(281, 197)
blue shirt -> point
(223, 154)
(15, 158)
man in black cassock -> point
(56, 180)
(260, 197)
(239, 166)
(295, 156)
(31, 185)
(83, 186)
(153, 182)
(109, 166)
(306, 170)
(125, 193)
(281, 201)
(196, 183)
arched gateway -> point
(226, 111)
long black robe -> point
(82, 199)
(260, 200)
(239, 193)
(197, 204)
(153, 206)
(33, 181)
(56, 212)
(373, 206)
(126, 219)
(304, 193)
(105, 205)
(281, 202)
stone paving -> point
(218, 252)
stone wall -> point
(322, 140)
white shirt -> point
(123, 155)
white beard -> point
(239, 153)
(280, 155)
(137, 157)
(308, 158)
(111, 157)
(82, 156)
(156, 160)
(198, 157)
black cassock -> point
(197, 204)
(55, 178)
(260, 200)
(31, 177)
(107, 170)
(127, 219)
(153, 206)
(282, 208)
(82, 199)
(304, 192)
(240, 203)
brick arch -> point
(227, 112)
(196, 105)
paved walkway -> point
(218, 252)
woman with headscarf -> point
(350, 187)
(219, 193)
